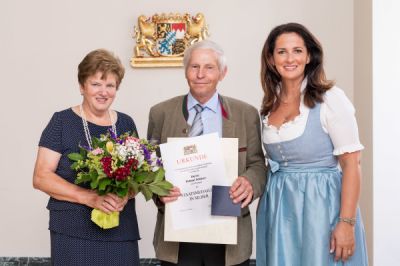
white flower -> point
(121, 152)
(140, 158)
(153, 156)
(132, 143)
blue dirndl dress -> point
(300, 206)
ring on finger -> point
(349, 252)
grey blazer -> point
(240, 120)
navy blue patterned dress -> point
(75, 239)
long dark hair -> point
(317, 84)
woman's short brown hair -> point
(103, 61)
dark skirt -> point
(67, 250)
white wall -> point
(43, 41)
(363, 105)
(386, 131)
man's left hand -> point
(241, 191)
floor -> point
(29, 261)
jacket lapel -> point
(228, 125)
(179, 125)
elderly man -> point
(203, 111)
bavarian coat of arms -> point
(162, 39)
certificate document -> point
(195, 165)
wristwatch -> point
(351, 221)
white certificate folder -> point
(189, 218)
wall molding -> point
(45, 261)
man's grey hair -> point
(206, 45)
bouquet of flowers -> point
(119, 165)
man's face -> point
(203, 74)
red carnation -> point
(106, 162)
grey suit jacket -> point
(240, 120)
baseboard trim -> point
(44, 261)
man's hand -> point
(241, 191)
(173, 195)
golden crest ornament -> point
(190, 149)
(161, 40)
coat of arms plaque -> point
(161, 40)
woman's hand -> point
(342, 238)
(173, 195)
(343, 241)
(108, 203)
(45, 179)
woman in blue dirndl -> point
(308, 214)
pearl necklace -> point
(86, 127)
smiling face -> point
(203, 74)
(99, 93)
(290, 57)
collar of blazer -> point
(186, 112)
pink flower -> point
(97, 151)
(131, 140)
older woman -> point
(75, 239)
(308, 214)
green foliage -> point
(103, 183)
(149, 183)
(159, 175)
(156, 189)
(75, 157)
(148, 179)
(122, 191)
(141, 177)
(147, 193)
(134, 187)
